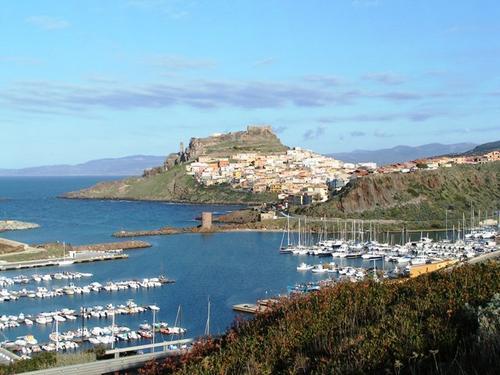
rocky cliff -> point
(254, 139)
(417, 196)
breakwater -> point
(125, 245)
(165, 231)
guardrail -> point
(164, 345)
(106, 366)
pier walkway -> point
(5, 266)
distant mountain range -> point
(402, 153)
(135, 165)
(125, 166)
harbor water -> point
(227, 268)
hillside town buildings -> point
(297, 174)
(300, 176)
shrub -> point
(430, 324)
(38, 362)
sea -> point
(225, 268)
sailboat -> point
(288, 249)
(207, 326)
(66, 261)
(176, 330)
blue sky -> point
(91, 79)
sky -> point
(82, 80)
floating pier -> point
(57, 261)
(254, 308)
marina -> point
(69, 315)
(38, 278)
(360, 244)
(202, 265)
(71, 289)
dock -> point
(254, 308)
(6, 266)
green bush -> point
(40, 361)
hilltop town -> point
(302, 177)
(253, 166)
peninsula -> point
(171, 181)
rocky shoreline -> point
(8, 225)
(75, 196)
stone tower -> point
(206, 220)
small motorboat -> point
(304, 267)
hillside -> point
(171, 183)
(401, 153)
(440, 323)
(125, 166)
(484, 148)
(417, 196)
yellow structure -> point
(431, 267)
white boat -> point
(372, 256)
(176, 330)
(30, 340)
(304, 267)
(319, 269)
(41, 320)
(66, 261)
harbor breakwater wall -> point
(125, 245)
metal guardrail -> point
(106, 366)
(163, 345)
(7, 356)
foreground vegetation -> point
(47, 360)
(439, 323)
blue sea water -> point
(228, 268)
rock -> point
(6, 225)
(254, 139)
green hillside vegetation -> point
(173, 185)
(422, 196)
(263, 144)
(439, 323)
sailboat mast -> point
(288, 230)
(299, 233)
(446, 221)
(207, 326)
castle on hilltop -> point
(254, 138)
